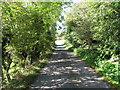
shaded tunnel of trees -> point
(29, 34)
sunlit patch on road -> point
(65, 70)
(59, 42)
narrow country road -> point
(65, 70)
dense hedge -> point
(93, 33)
(28, 35)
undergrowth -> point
(108, 68)
(23, 80)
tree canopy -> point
(93, 30)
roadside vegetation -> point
(28, 40)
(29, 34)
(93, 34)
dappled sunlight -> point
(65, 70)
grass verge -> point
(107, 68)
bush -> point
(108, 68)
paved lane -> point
(65, 70)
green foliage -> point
(106, 27)
(90, 55)
(112, 72)
(24, 80)
(78, 31)
(28, 34)
(93, 32)
(108, 68)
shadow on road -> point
(65, 70)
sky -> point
(63, 13)
(60, 23)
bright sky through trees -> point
(60, 24)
